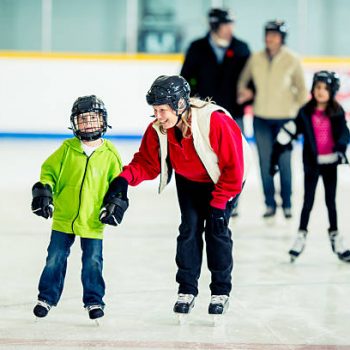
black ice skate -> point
(298, 246)
(41, 309)
(183, 306)
(217, 307)
(218, 304)
(338, 246)
(95, 312)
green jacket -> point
(79, 184)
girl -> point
(322, 123)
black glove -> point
(277, 150)
(339, 147)
(218, 219)
(42, 204)
(115, 202)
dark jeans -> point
(52, 278)
(265, 132)
(328, 172)
(194, 199)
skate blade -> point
(217, 320)
(270, 221)
(182, 319)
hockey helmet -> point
(277, 26)
(331, 79)
(217, 17)
(81, 108)
(169, 90)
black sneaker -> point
(95, 311)
(41, 309)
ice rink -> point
(274, 304)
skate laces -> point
(93, 307)
(218, 299)
(185, 298)
(299, 241)
(44, 304)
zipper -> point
(81, 188)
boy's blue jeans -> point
(265, 133)
(52, 278)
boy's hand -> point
(112, 213)
(115, 202)
(42, 204)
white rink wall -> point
(37, 94)
(37, 91)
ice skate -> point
(298, 246)
(41, 309)
(269, 215)
(287, 212)
(95, 312)
(183, 306)
(338, 246)
(217, 308)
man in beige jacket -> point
(280, 91)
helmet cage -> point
(331, 79)
(83, 107)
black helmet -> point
(169, 90)
(217, 17)
(277, 26)
(87, 104)
(330, 78)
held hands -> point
(42, 204)
(115, 202)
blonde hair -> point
(186, 116)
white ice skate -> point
(270, 216)
(217, 308)
(183, 306)
(338, 246)
(298, 246)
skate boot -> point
(338, 246)
(217, 307)
(95, 312)
(298, 246)
(287, 212)
(269, 215)
(183, 306)
(41, 309)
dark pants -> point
(194, 199)
(52, 278)
(265, 132)
(328, 173)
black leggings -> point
(329, 177)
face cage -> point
(96, 132)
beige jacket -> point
(280, 84)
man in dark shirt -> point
(213, 64)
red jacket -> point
(226, 141)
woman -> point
(204, 146)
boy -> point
(74, 180)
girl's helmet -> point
(331, 79)
(169, 90)
(84, 105)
